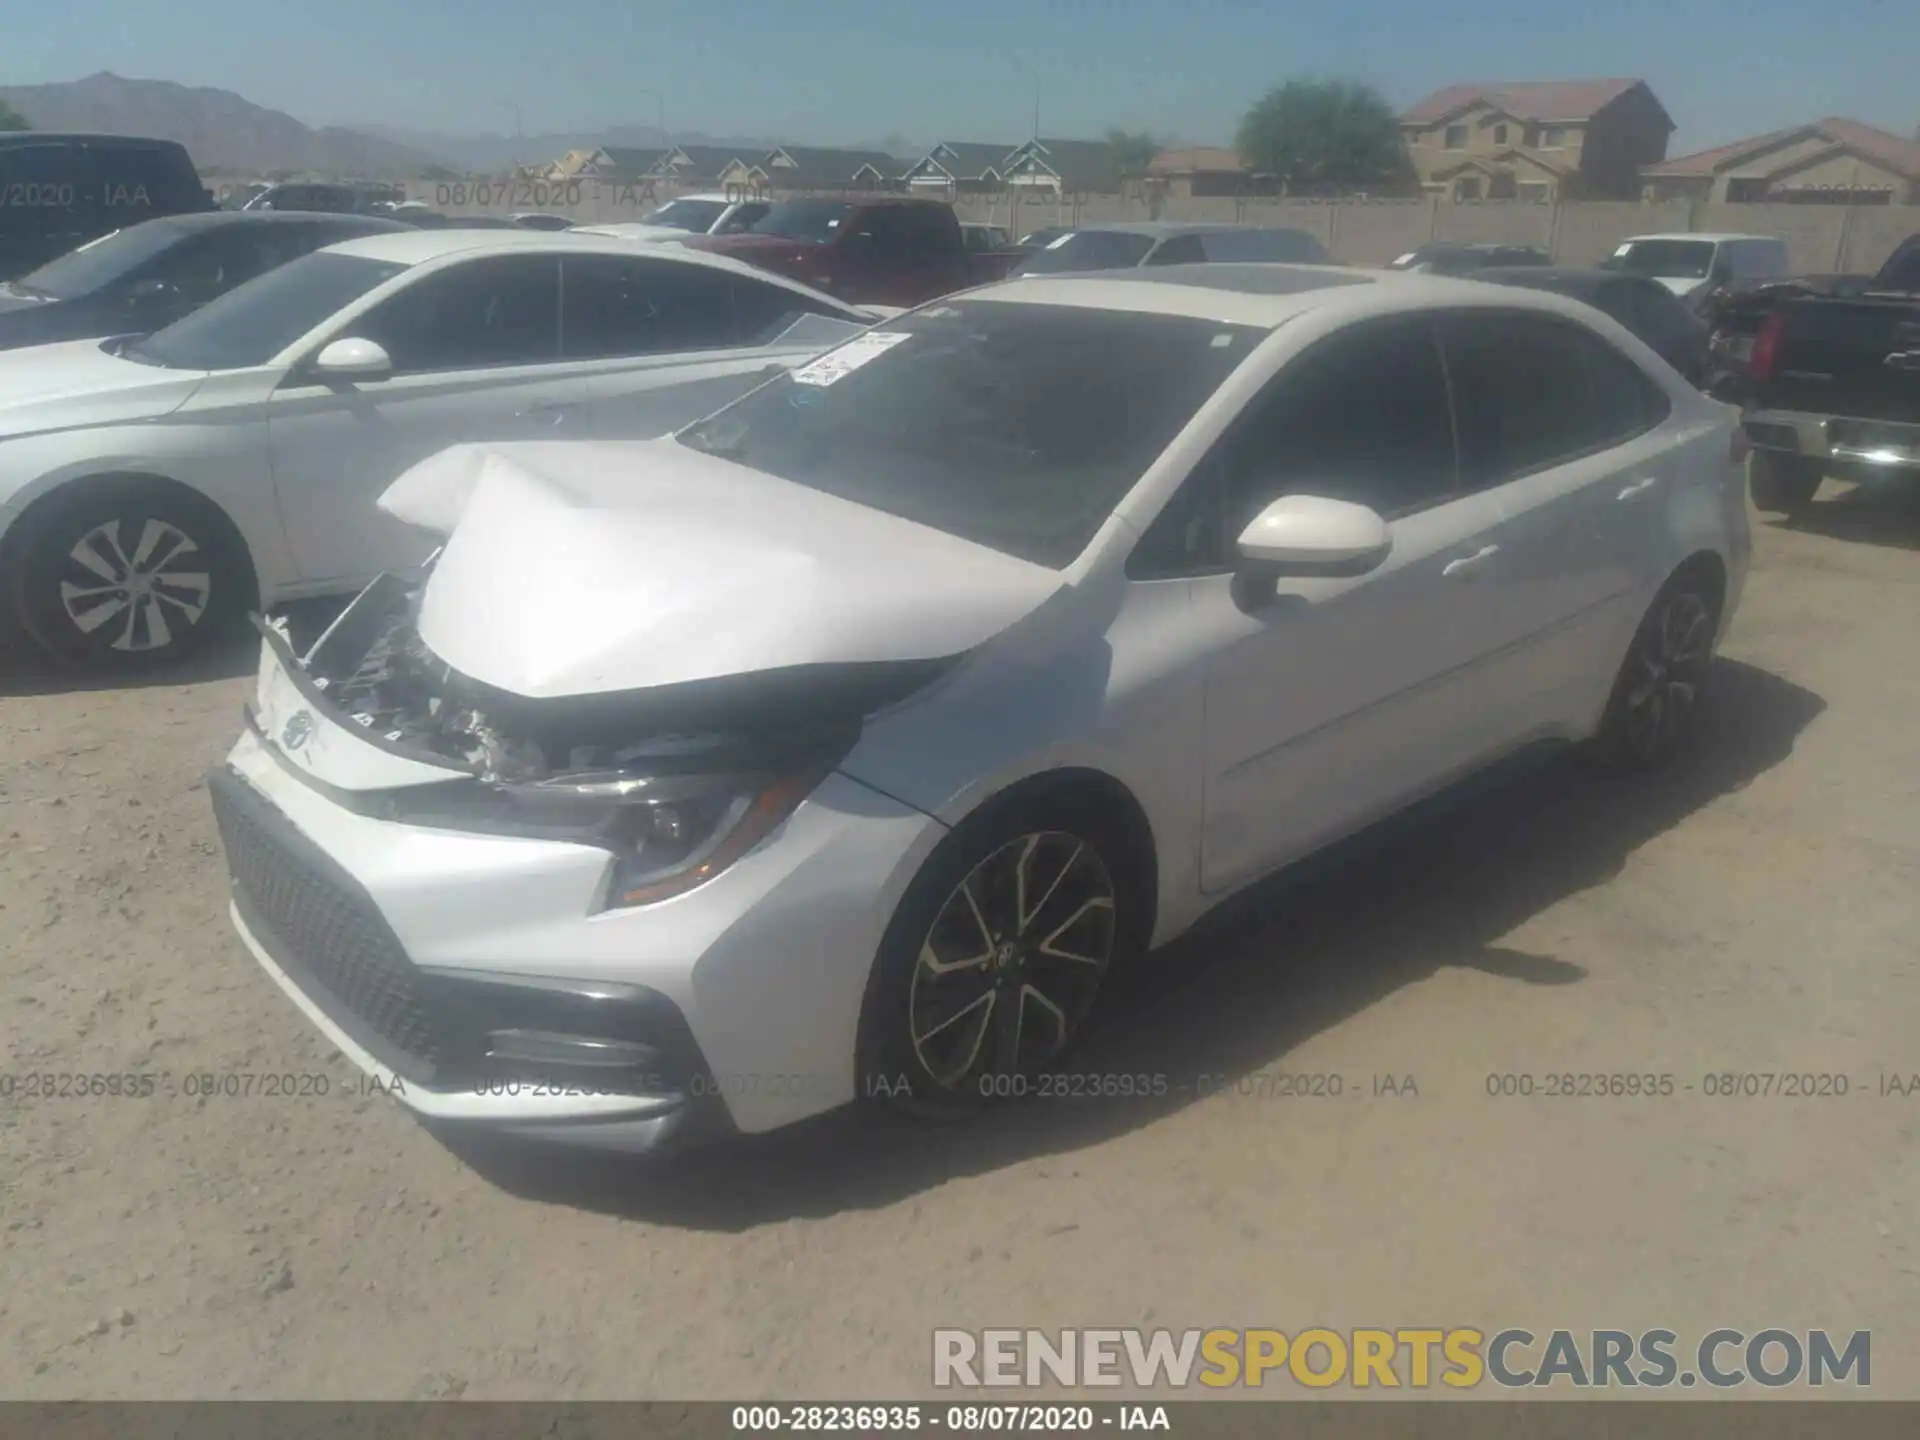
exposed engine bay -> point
(375, 673)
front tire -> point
(126, 576)
(996, 956)
(1657, 690)
(1784, 484)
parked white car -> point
(150, 489)
(1693, 266)
(689, 215)
(837, 746)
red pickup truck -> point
(866, 250)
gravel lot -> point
(1752, 911)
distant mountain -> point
(488, 153)
(221, 130)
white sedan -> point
(838, 746)
(688, 215)
(151, 489)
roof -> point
(1265, 295)
(828, 160)
(631, 160)
(1567, 280)
(967, 159)
(708, 159)
(67, 137)
(1714, 236)
(1895, 152)
(1158, 229)
(417, 247)
(1196, 158)
(219, 219)
(1525, 99)
(1082, 165)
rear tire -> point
(995, 957)
(126, 575)
(1656, 693)
(1784, 484)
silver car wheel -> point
(1664, 673)
(135, 597)
(1012, 961)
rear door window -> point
(613, 307)
(1533, 391)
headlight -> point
(668, 833)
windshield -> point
(1673, 259)
(1018, 427)
(697, 216)
(1087, 250)
(814, 221)
(255, 322)
(105, 262)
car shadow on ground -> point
(25, 670)
(1886, 515)
(1299, 955)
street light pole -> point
(661, 101)
(519, 135)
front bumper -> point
(476, 979)
(1874, 444)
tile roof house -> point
(1537, 140)
(1067, 167)
(1831, 161)
(617, 164)
(702, 164)
(1207, 170)
(960, 167)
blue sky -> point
(836, 71)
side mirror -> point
(1309, 536)
(353, 359)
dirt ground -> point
(1753, 910)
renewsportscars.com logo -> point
(1417, 1359)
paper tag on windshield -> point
(1404, 258)
(1623, 250)
(848, 358)
(1056, 244)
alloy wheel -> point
(1012, 962)
(134, 598)
(1669, 661)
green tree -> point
(1324, 137)
(1132, 151)
(12, 119)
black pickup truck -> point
(1831, 382)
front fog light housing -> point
(673, 833)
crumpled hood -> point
(578, 569)
(76, 382)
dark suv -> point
(57, 192)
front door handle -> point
(1638, 488)
(1468, 566)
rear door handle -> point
(1638, 488)
(1469, 566)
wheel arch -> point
(1120, 808)
(66, 489)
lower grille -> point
(321, 926)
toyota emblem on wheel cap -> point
(299, 729)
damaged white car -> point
(840, 744)
(152, 490)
